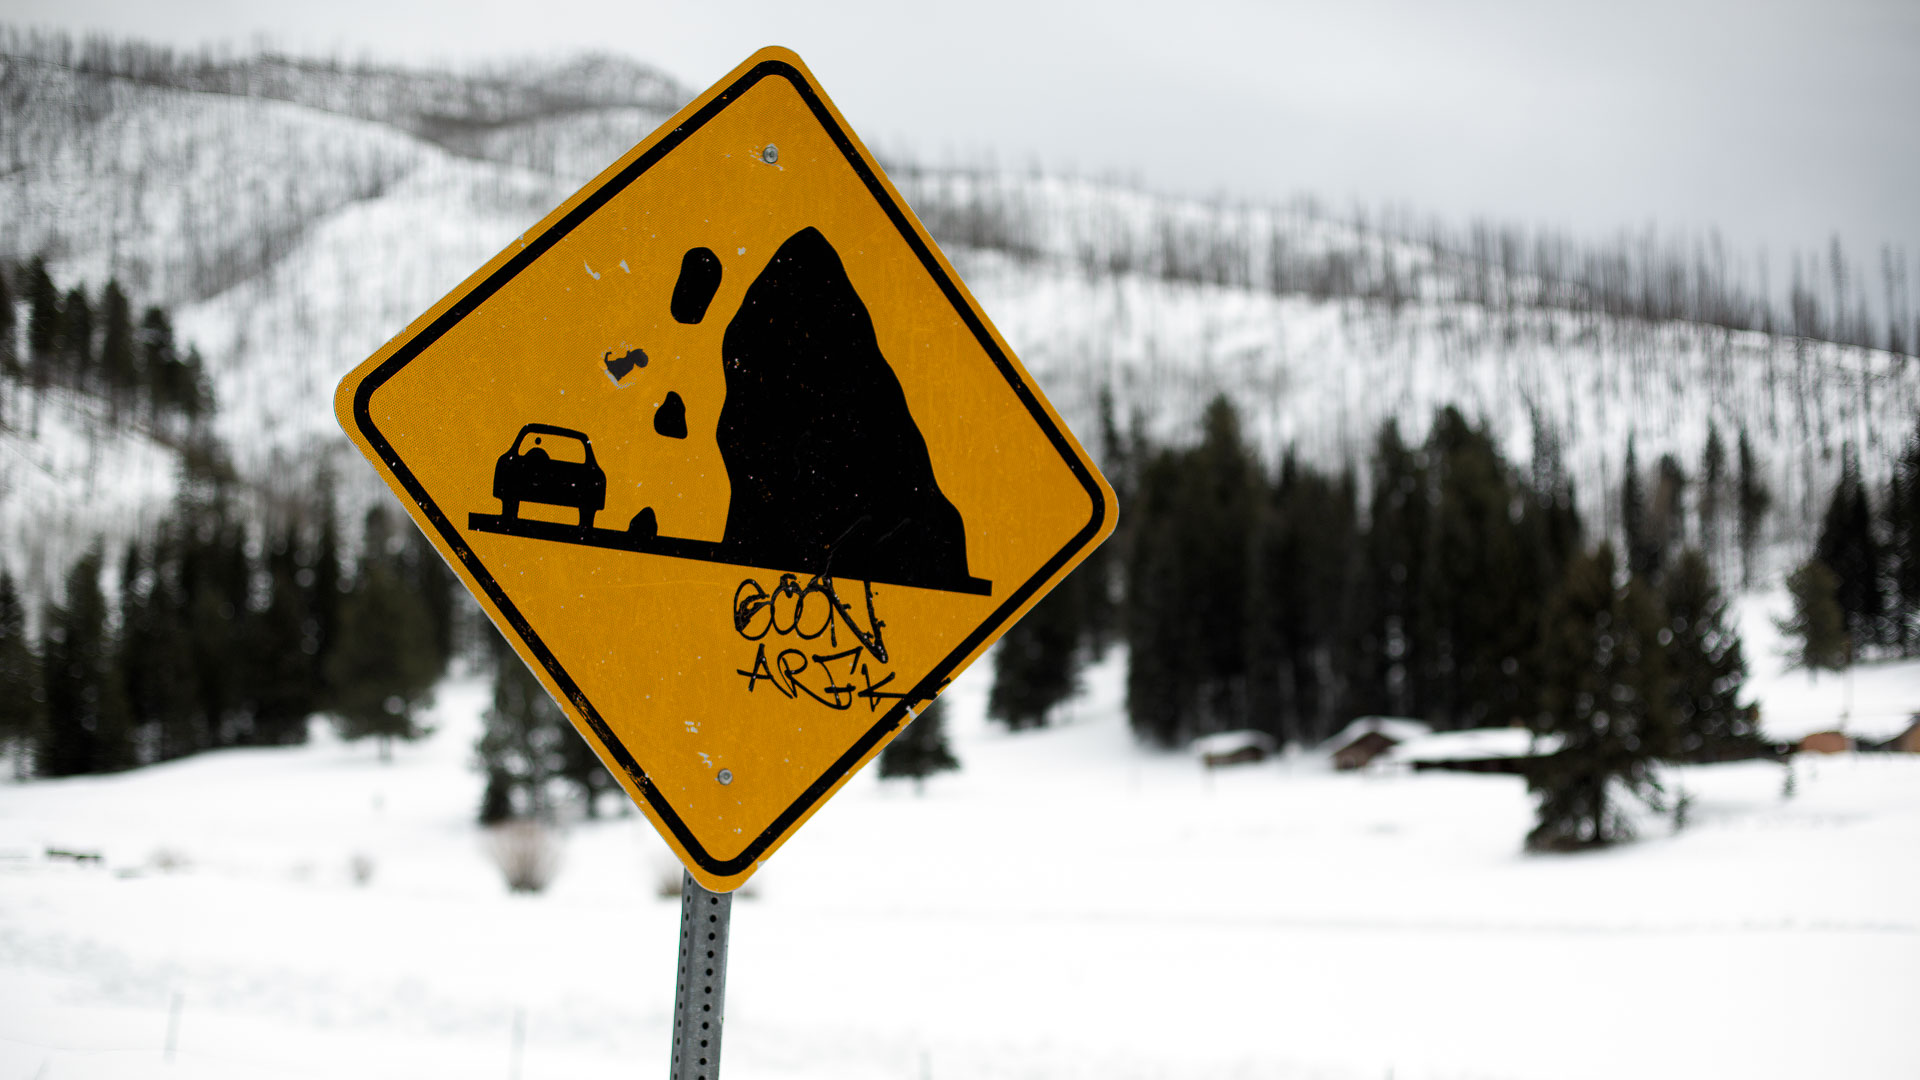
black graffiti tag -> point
(808, 613)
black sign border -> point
(928, 686)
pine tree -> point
(1037, 664)
(1848, 548)
(192, 389)
(1303, 585)
(1392, 644)
(427, 574)
(1903, 536)
(1637, 530)
(119, 360)
(1753, 499)
(1703, 652)
(284, 687)
(582, 768)
(1817, 625)
(1713, 493)
(44, 322)
(9, 354)
(1483, 619)
(216, 590)
(384, 663)
(1607, 693)
(157, 650)
(159, 363)
(522, 744)
(21, 703)
(921, 749)
(87, 726)
(1163, 647)
(325, 593)
(1187, 591)
(1667, 514)
(76, 336)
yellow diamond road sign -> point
(734, 460)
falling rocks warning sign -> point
(731, 456)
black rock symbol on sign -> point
(830, 474)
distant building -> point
(1908, 741)
(1482, 750)
(1370, 736)
(1233, 748)
(1825, 742)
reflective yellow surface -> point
(696, 666)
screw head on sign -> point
(771, 154)
(726, 776)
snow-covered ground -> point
(1068, 905)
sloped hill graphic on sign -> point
(830, 474)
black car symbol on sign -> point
(553, 466)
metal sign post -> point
(700, 995)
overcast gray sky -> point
(1782, 123)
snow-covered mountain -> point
(296, 214)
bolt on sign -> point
(731, 456)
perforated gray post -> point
(700, 998)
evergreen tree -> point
(1817, 625)
(920, 750)
(159, 363)
(1303, 585)
(326, 587)
(1848, 548)
(384, 662)
(582, 768)
(523, 742)
(1903, 538)
(119, 360)
(1636, 528)
(1607, 693)
(190, 388)
(44, 322)
(284, 685)
(1667, 514)
(1753, 499)
(76, 336)
(1486, 625)
(133, 648)
(1703, 653)
(216, 579)
(1037, 664)
(9, 354)
(1099, 604)
(1713, 493)
(20, 696)
(1395, 638)
(1163, 647)
(1187, 584)
(429, 577)
(496, 800)
(157, 650)
(87, 726)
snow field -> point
(1068, 905)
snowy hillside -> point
(298, 214)
(1065, 906)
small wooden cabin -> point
(1233, 748)
(1825, 742)
(1908, 741)
(1370, 736)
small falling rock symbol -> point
(622, 367)
(671, 418)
